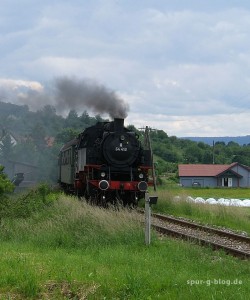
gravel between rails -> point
(238, 245)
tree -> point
(66, 135)
(5, 185)
(85, 119)
(98, 118)
(161, 134)
(38, 134)
(207, 157)
(73, 120)
(193, 154)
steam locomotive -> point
(105, 164)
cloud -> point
(15, 84)
(184, 126)
(174, 59)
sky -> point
(179, 66)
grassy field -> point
(229, 193)
(55, 247)
(237, 218)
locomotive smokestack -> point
(118, 125)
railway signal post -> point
(149, 200)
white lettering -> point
(121, 149)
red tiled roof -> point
(202, 169)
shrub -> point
(23, 205)
(5, 185)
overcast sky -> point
(182, 66)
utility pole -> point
(147, 145)
(213, 152)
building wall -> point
(210, 182)
(198, 181)
(245, 180)
(30, 172)
(217, 182)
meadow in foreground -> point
(61, 248)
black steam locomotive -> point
(106, 164)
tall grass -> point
(61, 248)
(237, 218)
(54, 223)
(73, 224)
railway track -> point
(232, 243)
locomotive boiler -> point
(105, 164)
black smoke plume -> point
(67, 94)
(77, 94)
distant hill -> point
(241, 140)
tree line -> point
(36, 138)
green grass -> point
(165, 270)
(230, 193)
(70, 250)
(237, 218)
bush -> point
(23, 205)
(5, 185)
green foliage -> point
(24, 205)
(5, 185)
(66, 134)
(34, 127)
(38, 134)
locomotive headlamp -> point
(103, 174)
(103, 185)
(140, 175)
(142, 186)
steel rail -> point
(203, 242)
(201, 228)
(205, 228)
